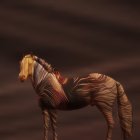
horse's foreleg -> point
(109, 118)
(53, 116)
(46, 118)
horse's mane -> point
(44, 64)
(62, 80)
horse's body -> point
(57, 93)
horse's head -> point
(26, 67)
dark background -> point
(76, 37)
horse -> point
(56, 92)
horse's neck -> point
(40, 74)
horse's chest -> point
(76, 102)
(50, 98)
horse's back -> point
(81, 91)
(102, 80)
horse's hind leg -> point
(107, 112)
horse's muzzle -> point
(22, 78)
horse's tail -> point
(124, 112)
